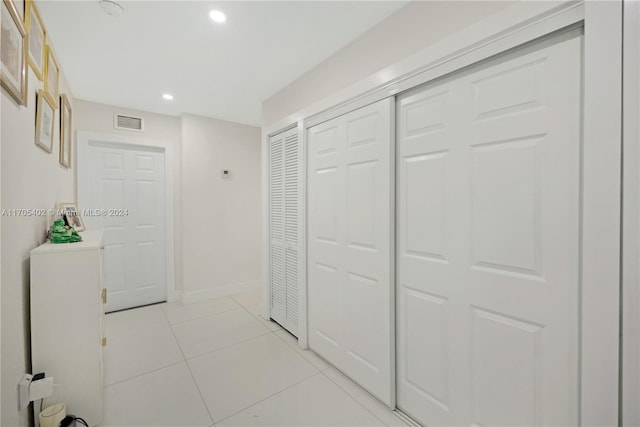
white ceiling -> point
(215, 70)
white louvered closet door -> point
(285, 208)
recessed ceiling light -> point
(217, 16)
(168, 96)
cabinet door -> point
(350, 244)
(285, 234)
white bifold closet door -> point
(285, 200)
(488, 241)
(350, 245)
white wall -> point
(31, 178)
(221, 220)
(411, 29)
(162, 130)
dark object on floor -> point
(70, 421)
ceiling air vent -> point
(128, 122)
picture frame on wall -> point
(72, 216)
(66, 140)
(13, 53)
(51, 77)
(20, 8)
(45, 113)
(37, 39)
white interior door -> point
(127, 186)
(350, 242)
(488, 241)
(285, 208)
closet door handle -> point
(104, 295)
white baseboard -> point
(174, 295)
(219, 291)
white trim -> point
(220, 291)
(393, 189)
(282, 130)
(631, 217)
(265, 153)
(82, 185)
(601, 214)
(303, 331)
(553, 20)
(524, 21)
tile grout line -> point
(356, 400)
(238, 302)
(211, 315)
(294, 349)
(111, 339)
(261, 400)
(152, 370)
(286, 345)
(144, 373)
(299, 353)
(193, 378)
(258, 317)
(185, 360)
(270, 396)
(201, 317)
(139, 331)
(225, 347)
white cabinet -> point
(285, 209)
(67, 322)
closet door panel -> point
(285, 228)
(277, 229)
(488, 241)
(350, 245)
(292, 235)
(324, 239)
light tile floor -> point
(220, 362)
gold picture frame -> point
(45, 115)
(71, 216)
(13, 53)
(66, 141)
(20, 8)
(51, 77)
(37, 38)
